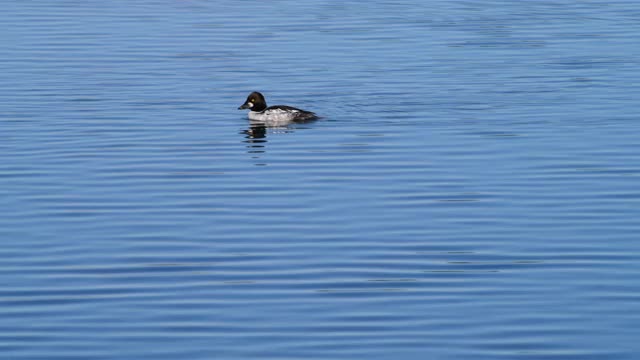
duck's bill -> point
(244, 106)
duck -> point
(259, 111)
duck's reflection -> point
(256, 135)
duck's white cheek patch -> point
(250, 105)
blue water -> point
(471, 191)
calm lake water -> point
(471, 192)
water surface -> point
(471, 191)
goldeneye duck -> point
(277, 113)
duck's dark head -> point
(255, 102)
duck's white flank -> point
(275, 115)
